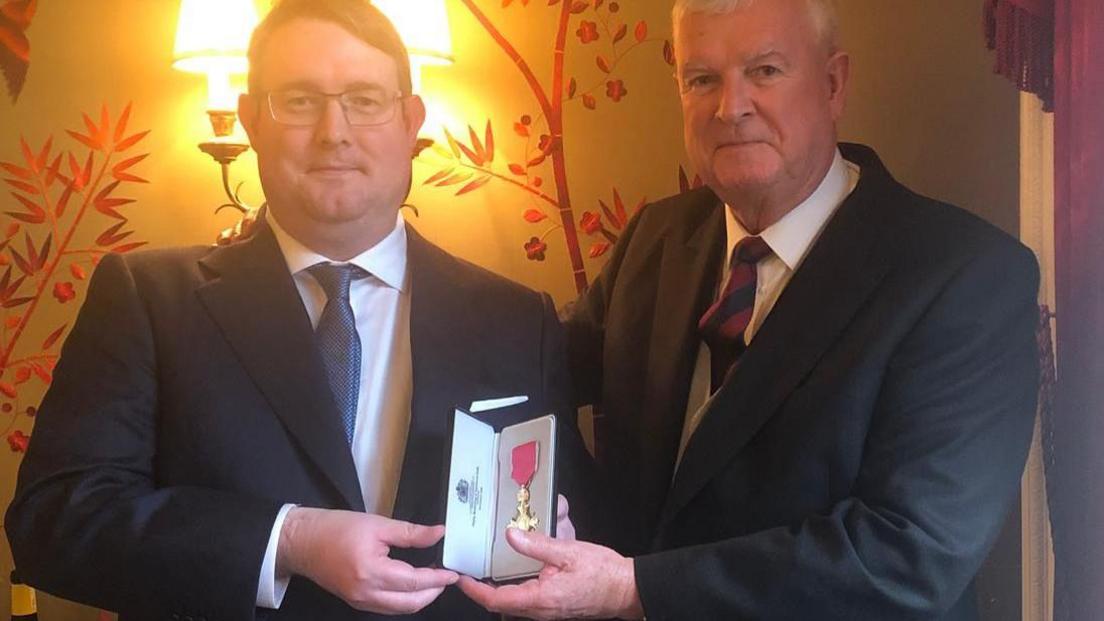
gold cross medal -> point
(523, 461)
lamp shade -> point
(424, 28)
(212, 36)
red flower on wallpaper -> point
(60, 195)
(590, 223)
(522, 126)
(64, 292)
(534, 249)
(15, 48)
(18, 440)
(615, 90)
(608, 222)
(469, 165)
(587, 32)
(544, 145)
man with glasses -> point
(257, 430)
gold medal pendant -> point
(523, 466)
(524, 519)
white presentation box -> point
(484, 497)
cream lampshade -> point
(424, 28)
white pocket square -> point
(496, 404)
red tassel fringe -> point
(1024, 42)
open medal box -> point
(498, 479)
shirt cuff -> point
(270, 589)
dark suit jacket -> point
(190, 402)
(859, 463)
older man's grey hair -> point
(821, 12)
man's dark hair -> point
(358, 17)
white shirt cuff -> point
(270, 589)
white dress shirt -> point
(381, 308)
(790, 240)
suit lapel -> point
(834, 281)
(253, 299)
(441, 342)
(692, 252)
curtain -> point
(1055, 49)
(1075, 468)
(1022, 33)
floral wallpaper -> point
(54, 194)
(600, 35)
(559, 119)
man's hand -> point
(346, 553)
(565, 530)
(579, 580)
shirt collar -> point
(793, 235)
(386, 260)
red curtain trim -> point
(1023, 37)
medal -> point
(523, 461)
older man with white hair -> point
(817, 387)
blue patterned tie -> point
(338, 340)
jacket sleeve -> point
(577, 473)
(942, 463)
(89, 521)
(585, 324)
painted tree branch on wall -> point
(471, 165)
(60, 198)
(15, 47)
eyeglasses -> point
(363, 107)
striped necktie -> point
(723, 325)
(338, 340)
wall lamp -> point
(212, 37)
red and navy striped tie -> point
(722, 327)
